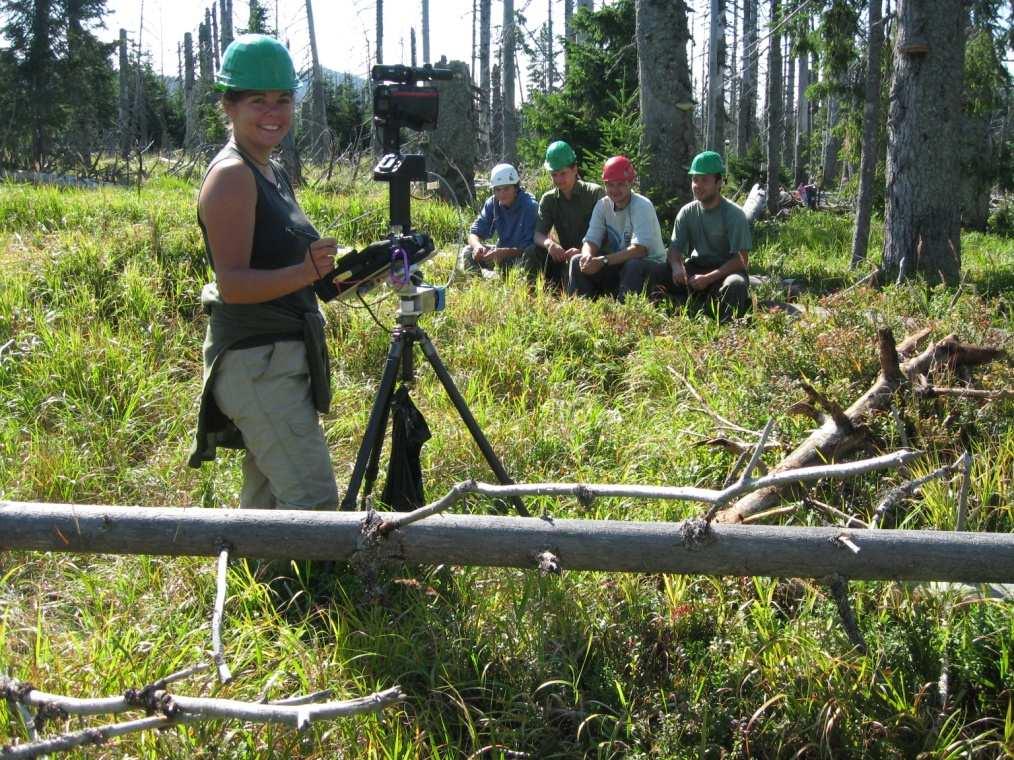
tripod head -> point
(399, 101)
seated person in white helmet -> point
(509, 215)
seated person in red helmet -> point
(623, 250)
(710, 243)
(509, 214)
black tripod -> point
(399, 356)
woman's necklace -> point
(263, 166)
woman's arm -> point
(227, 205)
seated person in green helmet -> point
(510, 215)
(565, 212)
(710, 245)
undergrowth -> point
(100, 333)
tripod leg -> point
(373, 438)
(430, 351)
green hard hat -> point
(256, 62)
(559, 155)
(707, 162)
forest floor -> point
(100, 334)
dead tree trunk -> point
(845, 431)
(789, 135)
(715, 131)
(485, 124)
(477, 540)
(871, 119)
(316, 89)
(774, 107)
(496, 116)
(923, 221)
(225, 8)
(426, 30)
(215, 40)
(801, 149)
(747, 115)
(666, 100)
(831, 144)
(124, 121)
(189, 106)
(509, 148)
(380, 31)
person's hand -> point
(699, 281)
(679, 275)
(480, 253)
(499, 255)
(571, 253)
(592, 264)
(319, 259)
(557, 252)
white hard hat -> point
(503, 174)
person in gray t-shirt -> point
(710, 244)
(623, 250)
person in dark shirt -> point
(565, 212)
(265, 360)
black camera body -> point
(361, 268)
(399, 101)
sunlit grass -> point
(101, 328)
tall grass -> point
(101, 328)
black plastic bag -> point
(403, 491)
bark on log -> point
(689, 548)
(833, 440)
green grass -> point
(101, 328)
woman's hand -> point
(319, 259)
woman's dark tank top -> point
(274, 246)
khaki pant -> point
(265, 391)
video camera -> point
(398, 101)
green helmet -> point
(559, 155)
(707, 162)
(256, 62)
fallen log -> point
(690, 547)
(843, 432)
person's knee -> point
(735, 292)
(466, 258)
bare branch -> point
(304, 699)
(755, 457)
(839, 592)
(929, 391)
(224, 675)
(179, 675)
(851, 521)
(87, 736)
(903, 491)
(448, 500)
(704, 407)
(965, 464)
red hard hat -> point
(618, 169)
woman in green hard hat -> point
(265, 360)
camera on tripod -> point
(398, 101)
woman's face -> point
(261, 119)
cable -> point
(372, 315)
